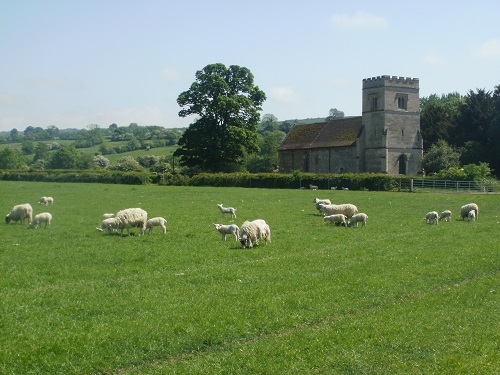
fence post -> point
(411, 185)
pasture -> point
(397, 297)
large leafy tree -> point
(227, 103)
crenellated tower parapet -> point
(395, 81)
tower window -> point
(402, 101)
(374, 102)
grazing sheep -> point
(19, 213)
(471, 215)
(464, 210)
(345, 188)
(333, 188)
(131, 218)
(156, 222)
(44, 217)
(319, 202)
(313, 187)
(355, 219)
(445, 215)
(333, 209)
(432, 217)
(338, 218)
(46, 201)
(227, 210)
(108, 216)
(228, 229)
(110, 224)
(253, 231)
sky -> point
(76, 63)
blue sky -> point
(73, 63)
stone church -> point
(384, 139)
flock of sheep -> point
(340, 214)
(23, 212)
(468, 211)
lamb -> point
(355, 219)
(319, 202)
(46, 201)
(313, 187)
(471, 215)
(432, 217)
(253, 231)
(445, 215)
(126, 219)
(19, 213)
(108, 216)
(333, 209)
(110, 224)
(44, 217)
(228, 229)
(227, 210)
(156, 222)
(464, 210)
(338, 218)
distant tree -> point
(286, 126)
(440, 156)
(227, 104)
(269, 122)
(335, 114)
(53, 132)
(66, 157)
(41, 152)
(10, 158)
(28, 147)
(15, 136)
(436, 123)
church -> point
(384, 139)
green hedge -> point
(94, 176)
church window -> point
(403, 102)
(374, 102)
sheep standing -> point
(338, 218)
(46, 201)
(432, 217)
(464, 210)
(358, 218)
(19, 213)
(471, 215)
(313, 187)
(445, 215)
(334, 209)
(132, 218)
(44, 217)
(110, 224)
(253, 231)
(156, 222)
(227, 210)
(319, 202)
(224, 230)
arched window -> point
(402, 160)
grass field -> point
(397, 297)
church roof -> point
(336, 133)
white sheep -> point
(313, 187)
(132, 218)
(19, 213)
(253, 231)
(338, 218)
(358, 218)
(108, 216)
(46, 201)
(464, 210)
(156, 222)
(471, 215)
(445, 215)
(432, 217)
(333, 209)
(224, 230)
(227, 210)
(319, 202)
(110, 224)
(44, 217)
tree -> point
(10, 158)
(65, 158)
(41, 152)
(269, 122)
(440, 156)
(227, 104)
(334, 114)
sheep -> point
(355, 219)
(338, 218)
(228, 229)
(110, 224)
(46, 201)
(227, 210)
(108, 216)
(19, 213)
(344, 188)
(464, 210)
(471, 215)
(44, 217)
(253, 231)
(156, 222)
(319, 202)
(313, 187)
(333, 209)
(445, 215)
(431, 217)
(131, 218)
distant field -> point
(397, 297)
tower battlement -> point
(386, 80)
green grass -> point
(398, 296)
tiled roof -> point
(335, 133)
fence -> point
(411, 184)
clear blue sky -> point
(72, 63)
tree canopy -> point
(227, 104)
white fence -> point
(411, 184)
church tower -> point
(391, 136)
